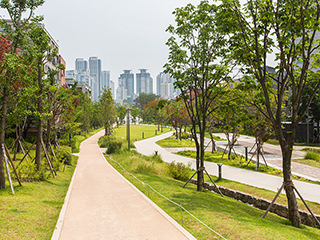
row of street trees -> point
(208, 40)
(29, 92)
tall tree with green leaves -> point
(195, 49)
(42, 51)
(15, 33)
(291, 29)
(108, 110)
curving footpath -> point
(101, 204)
(309, 191)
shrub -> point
(179, 171)
(28, 172)
(75, 143)
(104, 141)
(185, 135)
(312, 155)
(114, 146)
(64, 155)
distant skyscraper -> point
(105, 80)
(70, 74)
(95, 74)
(158, 84)
(144, 82)
(125, 90)
(112, 90)
(165, 87)
(81, 65)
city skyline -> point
(133, 40)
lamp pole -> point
(128, 127)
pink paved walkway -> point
(103, 205)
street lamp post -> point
(128, 127)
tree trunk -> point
(48, 137)
(201, 161)
(286, 145)
(293, 209)
(39, 121)
(2, 136)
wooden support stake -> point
(24, 153)
(213, 183)
(54, 154)
(307, 206)
(27, 153)
(7, 167)
(190, 179)
(275, 198)
(49, 160)
(14, 168)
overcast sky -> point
(124, 34)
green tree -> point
(144, 98)
(194, 51)
(121, 113)
(41, 51)
(290, 27)
(16, 35)
(108, 111)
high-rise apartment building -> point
(105, 80)
(95, 74)
(165, 87)
(144, 82)
(81, 65)
(125, 90)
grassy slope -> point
(33, 211)
(227, 216)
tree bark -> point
(39, 121)
(286, 145)
(293, 209)
(2, 136)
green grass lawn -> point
(32, 212)
(312, 157)
(232, 219)
(137, 130)
(172, 142)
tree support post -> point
(197, 171)
(268, 209)
(7, 167)
(14, 168)
(275, 198)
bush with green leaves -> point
(312, 155)
(28, 172)
(114, 146)
(185, 135)
(179, 171)
(64, 155)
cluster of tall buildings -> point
(125, 90)
(92, 80)
(131, 86)
(90, 74)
